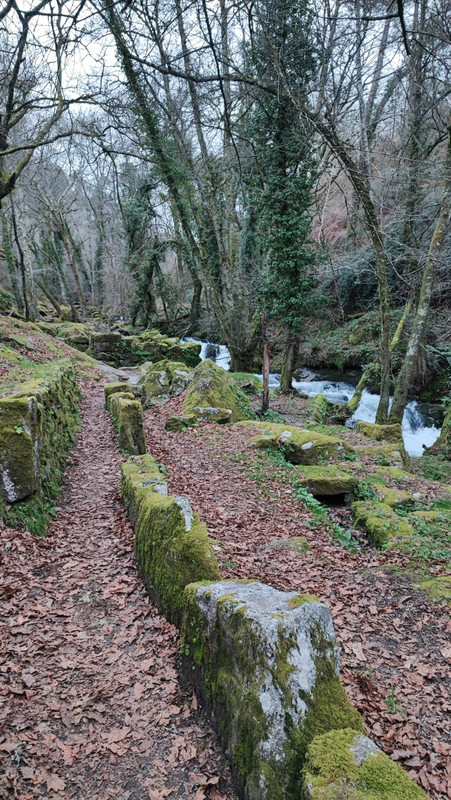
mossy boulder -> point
(393, 496)
(248, 383)
(211, 387)
(438, 589)
(390, 455)
(172, 547)
(381, 522)
(181, 423)
(267, 667)
(37, 427)
(326, 412)
(329, 480)
(164, 380)
(345, 765)
(396, 473)
(127, 416)
(380, 433)
(301, 446)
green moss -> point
(172, 549)
(164, 380)
(387, 455)
(326, 412)
(387, 433)
(333, 771)
(177, 424)
(393, 472)
(300, 446)
(37, 427)
(442, 446)
(112, 388)
(381, 523)
(298, 544)
(212, 387)
(301, 599)
(327, 480)
(393, 497)
(127, 416)
(438, 589)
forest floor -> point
(394, 643)
(90, 706)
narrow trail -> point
(90, 707)
(395, 645)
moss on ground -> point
(383, 525)
(438, 589)
(341, 765)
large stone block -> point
(267, 665)
(164, 380)
(37, 423)
(127, 415)
(380, 433)
(301, 446)
(172, 547)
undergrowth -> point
(272, 466)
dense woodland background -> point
(241, 171)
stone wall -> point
(37, 425)
(127, 415)
(264, 661)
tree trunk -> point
(11, 263)
(266, 357)
(409, 364)
(289, 363)
(49, 296)
(195, 302)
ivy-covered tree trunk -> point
(289, 363)
(406, 373)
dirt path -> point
(89, 700)
(395, 645)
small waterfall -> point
(415, 428)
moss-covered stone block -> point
(301, 446)
(387, 455)
(113, 388)
(164, 380)
(212, 387)
(37, 425)
(138, 477)
(172, 549)
(344, 765)
(127, 416)
(181, 423)
(381, 522)
(266, 664)
(329, 480)
(298, 544)
(380, 433)
(393, 496)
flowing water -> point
(417, 426)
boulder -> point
(301, 446)
(181, 423)
(381, 522)
(164, 380)
(211, 387)
(380, 433)
(345, 765)
(267, 666)
(326, 412)
(298, 544)
(330, 480)
(390, 455)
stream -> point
(418, 426)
